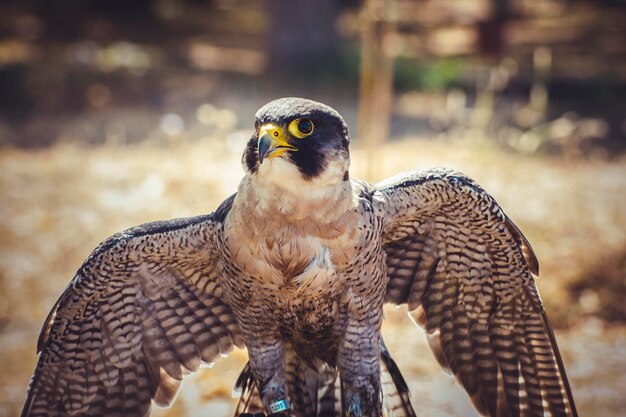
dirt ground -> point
(59, 203)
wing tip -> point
(560, 365)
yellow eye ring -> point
(301, 128)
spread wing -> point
(142, 311)
(466, 272)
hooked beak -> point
(273, 142)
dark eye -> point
(305, 126)
(301, 128)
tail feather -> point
(396, 395)
(249, 398)
(317, 392)
(329, 395)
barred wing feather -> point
(143, 310)
(466, 273)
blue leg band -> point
(280, 405)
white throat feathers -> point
(279, 188)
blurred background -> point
(115, 113)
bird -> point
(295, 267)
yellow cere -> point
(301, 128)
(280, 141)
(276, 132)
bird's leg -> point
(267, 362)
(359, 368)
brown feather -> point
(132, 323)
(479, 306)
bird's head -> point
(298, 141)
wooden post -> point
(542, 65)
(376, 78)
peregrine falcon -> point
(296, 267)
